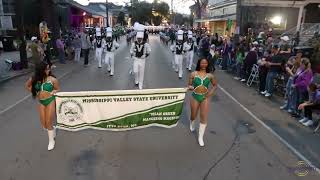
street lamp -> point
(276, 20)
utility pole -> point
(19, 7)
(172, 13)
(239, 17)
(238, 21)
(107, 11)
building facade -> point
(219, 17)
(113, 11)
(280, 15)
(7, 15)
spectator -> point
(275, 68)
(173, 36)
(311, 105)
(225, 54)
(146, 36)
(213, 40)
(1, 46)
(220, 42)
(250, 60)
(76, 43)
(85, 45)
(269, 44)
(35, 51)
(239, 62)
(285, 48)
(270, 33)
(47, 53)
(204, 47)
(291, 68)
(217, 37)
(300, 85)
(60, 47)
(68, 45)
(212, 57)
(263, 71)
(41, 48)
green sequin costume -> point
(197, 82)
(47, 87)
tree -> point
(121, 18)
(162, 8)
(201, 5)
(180, 19)
(144, 12)
(156, 20)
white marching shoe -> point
(202, 129)
(192, 125)
(51, 135)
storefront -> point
(220, 26)
(220, 18)
(82, 16)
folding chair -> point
(254, 76)
(317, 128)
(9, 64)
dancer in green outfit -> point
(199, 83)
(43, 86)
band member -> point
(190, 54)
(99, 43)
(109, 47)
(43, 86)
(179, 48)
(199, 82)
(139, 50)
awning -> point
(220, 18)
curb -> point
(29, 70)
(15, 76)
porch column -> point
(300, 16)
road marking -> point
(289, 146)
(26, 97)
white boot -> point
(51, 144)
(192, 125)
(54, 132)
(202, 129)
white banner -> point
(119, 110)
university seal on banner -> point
(70, 111)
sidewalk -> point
(13, 56)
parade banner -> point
(119, 110)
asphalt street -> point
(238, 146)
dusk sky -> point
(181, 8)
